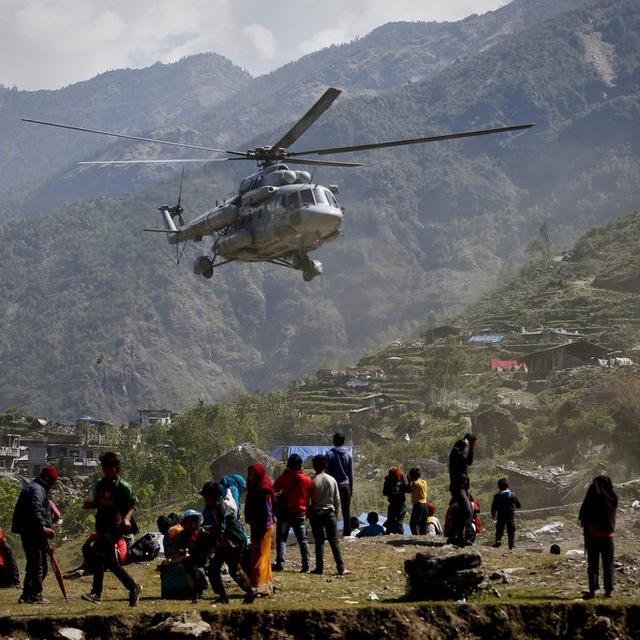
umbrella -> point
(57, 571)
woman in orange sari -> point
(259, 515)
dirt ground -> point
(520, 586)
(376, 567)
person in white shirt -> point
(324, 504)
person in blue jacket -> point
(33, 521)
(503, 509)
(340, 467)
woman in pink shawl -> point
(259, 515)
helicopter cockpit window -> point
(321, 198)
(307, 196)
(332, 199)
(293, 201)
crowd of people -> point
(199, 543)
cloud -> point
(262, 39)
(51, 43)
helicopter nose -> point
(322, 219)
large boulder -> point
(496, 425)
(429, 467)
(238, 459)
(444, 573)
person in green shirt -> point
(115, 502)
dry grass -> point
(376, 566)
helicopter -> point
(279, 215)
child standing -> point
(503, 509)
(419, 492)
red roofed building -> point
(495, 364)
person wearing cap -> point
(33, 521)
(340, 467)
(115, 502)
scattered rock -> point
(186, 625)
(444, 574)
(574, 553)
(70, 633)
(552, 527)
(601, 627)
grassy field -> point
(377, 567)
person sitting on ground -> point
(419, 492)
(9, 572)
(355, 526)
(395, 488)
(227, 536)
(433, 524)
(89, 557)
(189, 548)
(292, 489)
(598, 518)
(373, 528)
(503, 509)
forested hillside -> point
(425, 230)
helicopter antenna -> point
(178, 208)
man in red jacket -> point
(293, 489)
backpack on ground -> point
(145, 549)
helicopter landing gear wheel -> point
(311, 269)
(203, 266)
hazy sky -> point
(47, 44)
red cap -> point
(49, 473)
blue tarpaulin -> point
(305, 451)
(486, 339)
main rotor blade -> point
(128, 137)
(322, 163)
(399, 143)
(161, 161)
(323, 103)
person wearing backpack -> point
(227, 536)
(292, 494)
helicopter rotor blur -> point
(279, 215)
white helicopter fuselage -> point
(268, 222)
